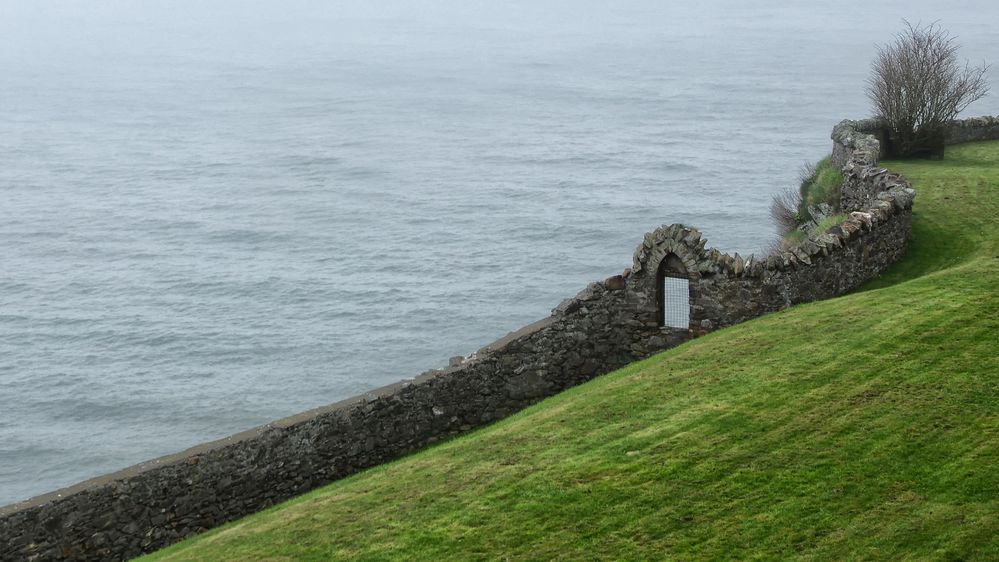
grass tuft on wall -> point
(820, 183)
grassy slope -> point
(861, 427)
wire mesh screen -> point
(676, 302)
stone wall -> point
(974, 129)
(866, 137)
(869, 136)
(607, 325)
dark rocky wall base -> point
(606, 326)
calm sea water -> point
(215, 214)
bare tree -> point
(918, 86)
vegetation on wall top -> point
(803, 212)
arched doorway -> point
(673, 293)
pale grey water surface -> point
(214, 214)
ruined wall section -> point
(727, 290)
(863, 139)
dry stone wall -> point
(606, 326)
(867, 138)
(974, 129)
(859, 145)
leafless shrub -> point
(775, 247)
(806, 175)
(917, 85)
(784, 210)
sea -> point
(217, 214)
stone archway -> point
(676, 253)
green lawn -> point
(864, 427)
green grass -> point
(821, 184)
(863, 427)
(796, 237)
(827, 223)
(793, 238)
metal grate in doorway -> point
(676, 302)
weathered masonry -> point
(676, 289)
